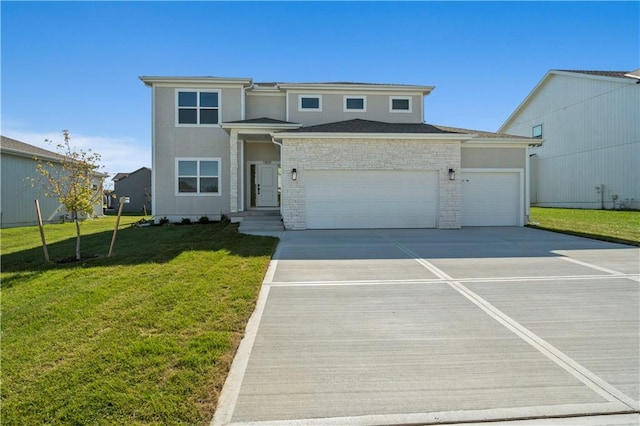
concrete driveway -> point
(386, 327)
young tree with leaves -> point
(74, 182)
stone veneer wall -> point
(369, 154)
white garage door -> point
(490, 199)
(371, 199)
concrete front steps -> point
(259, 222)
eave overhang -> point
(200, 81)
(353, 135)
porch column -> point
(233, 167)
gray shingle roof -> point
(261, 120)
(367, 126)
(618, 74)
(25, 148)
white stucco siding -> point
(591, 136)
(361, 154)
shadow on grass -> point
(135, 245)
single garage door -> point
(491, 199)
(344, 199)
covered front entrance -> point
(255, 173)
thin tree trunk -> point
(75, 216)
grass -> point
(609, 225)
(145, 337)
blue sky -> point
(75, 65)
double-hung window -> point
(400, 104)
(198, 107)
(198, 176)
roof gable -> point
(619, 76)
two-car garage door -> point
(339, 199)
(343, 199)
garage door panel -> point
(490, 198)
(371, 199)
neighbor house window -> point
(400, 104)
(536, 131)
(355, 103)
(198, 176)
(309, 103)
(197, 107)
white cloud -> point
(118, 154)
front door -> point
(267, 185)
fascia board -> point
(31, 155)
(502, 142)
(356, 88)
(408, 136)
(186, 81)
(260, 128)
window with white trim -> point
(197, 107)
(309, 103)
(355, 104)
(400, 104)
(197, 176)
(536, 131)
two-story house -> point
(326, 156)
(590, 122)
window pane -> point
(355, 103)
(208, 184)
(400, 104)
(311, 103)
(187, 116)
(208, 168)
(208, 116)
(208, 99)
(536, 131)
(187, 168)
(187, 185)
(187, 99)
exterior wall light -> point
(452, 174)
(294, 174)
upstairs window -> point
(198, 176)
(197, 107)
(309, 103)
(400, 104)
(355, 103)
(536, 131)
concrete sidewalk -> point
(431, 326)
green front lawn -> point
(609, 225)
(145, 337)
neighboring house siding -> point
(18, 194)
(173, 142)
(362, 154)
(591, 134)
(332, 109)
(136, 186)
(271, 106)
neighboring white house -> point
(18, 190)
(327, 155)
(589, 122)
